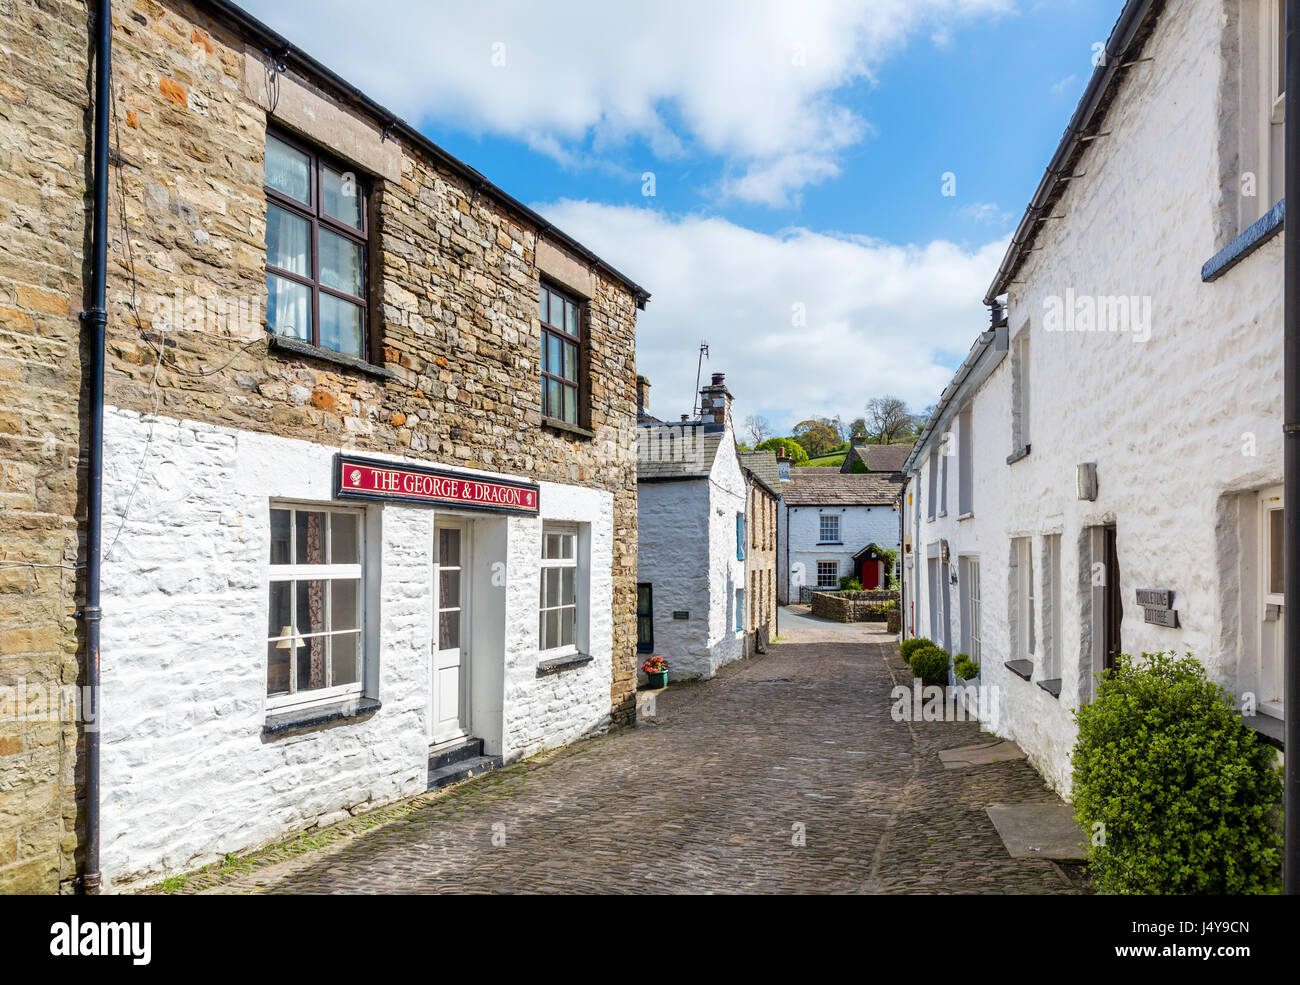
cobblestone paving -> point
(708, 797)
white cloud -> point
(1061, 87)
(753, 82)
(880, 318)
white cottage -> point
(691, 505)
(1102, 475)
(832, 525)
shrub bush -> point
(966, 668)
(850, 583)
(906, 648)
(930, 664)
(1190, 800)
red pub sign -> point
(367, 478)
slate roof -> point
(828, 487)
(878, 458)
(763, 465)
(669, 452)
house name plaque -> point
(365, 478)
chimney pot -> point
(718, 378)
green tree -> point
(816, 436)
(792, 448)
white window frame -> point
(1271, 184)
(568, 530)
(973, 602)
(965, 463)
(1022, 572)
(945, 453)
(1270, 657)
(835, 578)
(293, 572)
(1020, 391)
(741, 622)
(821, 529)
(1052, 584)
(933, 477)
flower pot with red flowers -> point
(656, 668)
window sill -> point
(1259, 233)
(564, 427)
(1016, 456)
(1052, 687)
(1021, 668)
(300, 348)
(965, 516)
(830, 543)
(1270, 730)
(312, 716)
(556, 664)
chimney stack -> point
(715, 403)
(642, 395)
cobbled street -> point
(710, 796)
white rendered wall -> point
(859, 526)
(187, 773)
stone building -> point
(1103, 474)
(370, 485)
(691, 548)
(828, 521)
(763, 477)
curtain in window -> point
(316, 598)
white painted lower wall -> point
(187, 773)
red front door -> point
(870, 574)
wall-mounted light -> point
(1086, 481)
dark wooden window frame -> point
(559, 331)
(647, 645)
(314, 213)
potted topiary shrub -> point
(656, 669)
(908, 647)
(930, 664)
(1174, 793)
(965, 668)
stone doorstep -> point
(997, 751)
(1039, 831)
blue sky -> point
(798, 153)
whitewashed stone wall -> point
(187, 773)
(686, 549)
(1182, 426)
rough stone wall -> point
(44, 145)
(455, 284)
(854, 606)
(454, 280)
(726, 571)
(760, 564)
(672, 556)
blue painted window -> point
(740, 536)
(740, 610)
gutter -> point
(1291, 467)
(96, 320)
(1126, 40)
(283, 50)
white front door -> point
(448, 711)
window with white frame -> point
(965, 461)
(315, 646)
(1271, 681)
(829, 529)
(1052, 585)
(1261, 117)
(1022, 597)
(932, 472)
(1020, 392)
(945, 453)
(828, 574)
(740, 610)
(972, 599)
(558, 614)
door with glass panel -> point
(448, 711)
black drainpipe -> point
(96, 319)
